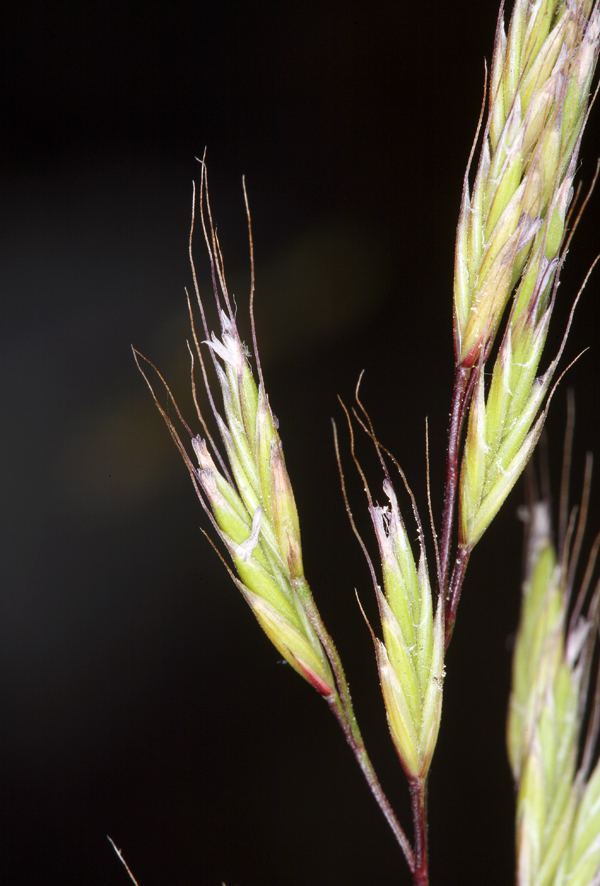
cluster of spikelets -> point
(510, 243)
(249, 499)
(510, 235)
(558, 791)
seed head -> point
(256, 515)
(510, 234)
(248, 494)
(411, 657)
(511, 228)
(558, 801)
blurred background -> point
(138, 697)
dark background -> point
(138, 697)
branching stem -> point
(460, 398)
(343, 710)
(456, 583)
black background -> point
(137, 696)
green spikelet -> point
(256, 516)
(411, 657)
(511, 227)
(558, 809)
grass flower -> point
(256, 515)
(411, 658)
(251, 503)
(512, 227)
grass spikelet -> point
(411, 658)
(512, 226)
(558, 803)
(248, 494)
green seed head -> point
(538, 100)
(410, 659)
(558, 805)
(256, 515)
(503, 430)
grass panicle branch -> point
(410, 658)
(510, 242)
